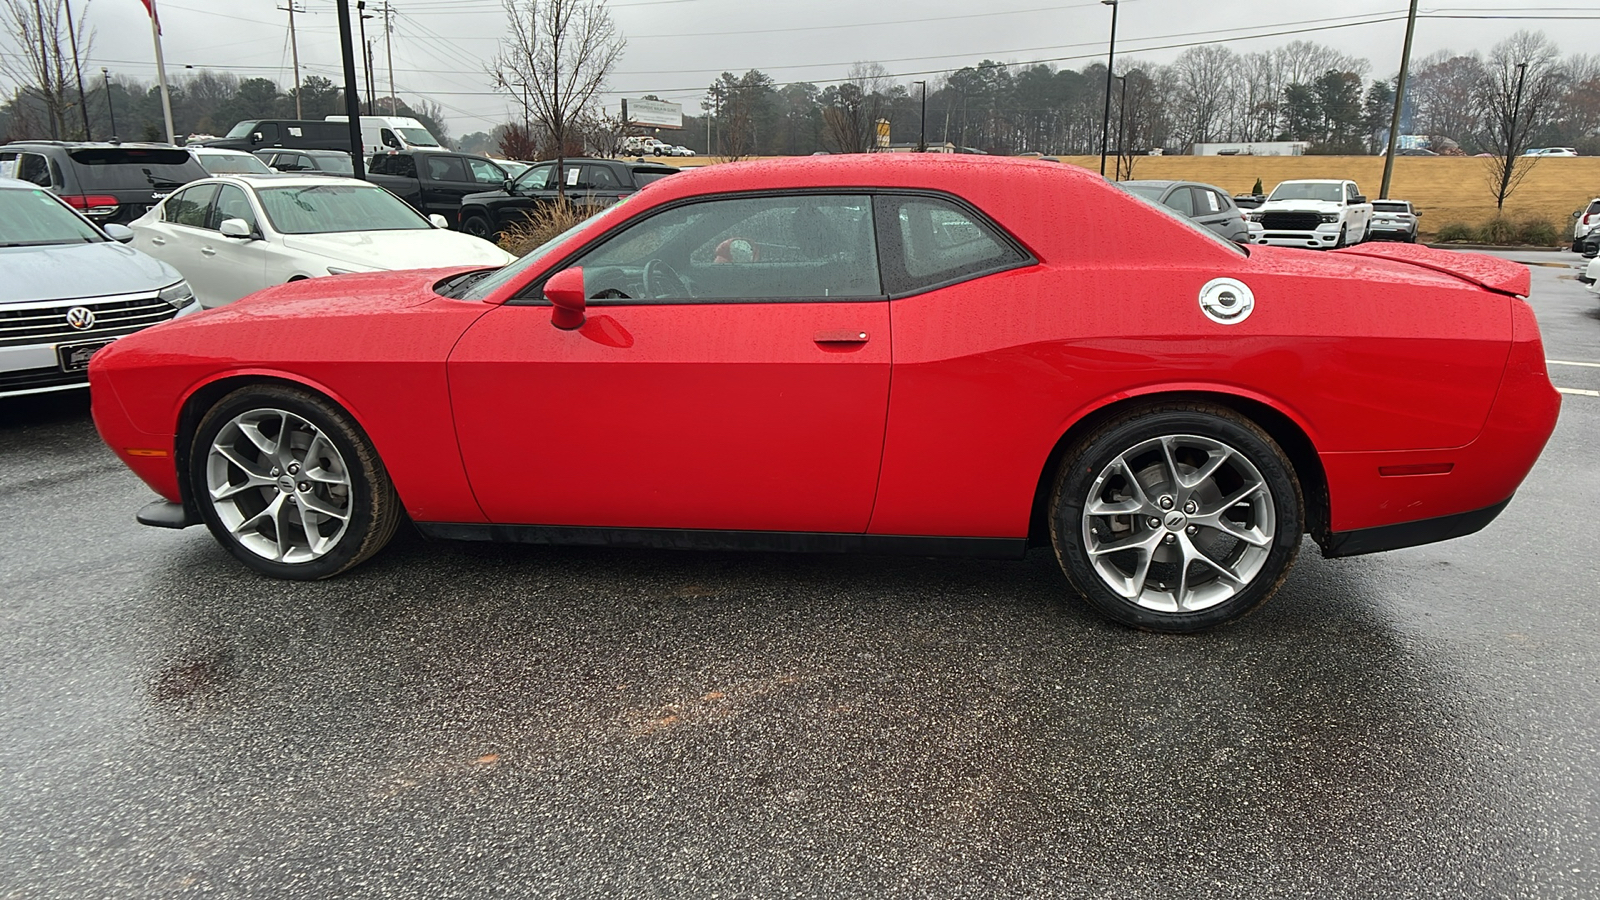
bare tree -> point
(1518, 94)
(40, 68)
(1206, 81)
(851, 110)
(561, 52)
(1443, 91)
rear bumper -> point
(1410, 534)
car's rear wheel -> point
(1176, 517)
(289, 485)
(477, 226)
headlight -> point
(179, 295)
(1328, 218)
(1253, 216)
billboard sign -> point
(653, 113)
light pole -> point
(1122, 124)
(1399, 100)
(110, 107)
(1111, 59)
(922, 132)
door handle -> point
(159, 242)
(841, 336)
(207, 251)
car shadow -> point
(964, 718)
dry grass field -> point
(1445, 189)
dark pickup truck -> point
(434, 181)
(598, 181)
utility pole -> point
(1122, 126)
(352, 100)
(294, 49)
(77, 68)
(1111, 59)
(388, 51)
(1399, 99)
(367, 53)
(110, 107)
(922, 132)
(161, 74)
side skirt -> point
(1410, 534)
(763, 541)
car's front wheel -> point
(289, 485)
(1177, 517)
(477, 226)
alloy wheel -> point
(279, 486)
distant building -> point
(1252, 148)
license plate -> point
(75, 357)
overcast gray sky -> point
(677, 47)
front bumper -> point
(1324, 238)
(36, 368)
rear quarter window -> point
(930, 241)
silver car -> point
(69, 289)
(1206, 205)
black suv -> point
(599, 181)
(107, 182)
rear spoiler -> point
(1480, 269)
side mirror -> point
(438, 221)
(236, 228)
(507, 186)
(255, 137)
(1360, 199)
(122, 234)
(1576, 213)
(564, 290)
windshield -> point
(334, 208)
(1147, 191)
(1307, 190)
(35, 218)
(483, 288)
(243, 129)
(228, 164)
(417, 137)
(135, 168)
(337, 163)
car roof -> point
(1150, 182)
(280, 179)
(892, 171)
(217, 151)
(18, 184)
(79, 145)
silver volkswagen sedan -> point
(70, 288)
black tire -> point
(372, 508)
(1343, 236)
(478, 226)
(1089, 459)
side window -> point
(232, 204)
(932, 241)
(535, 179)
(191, 207)
(808, 247)
(1205, 202)
(387, 138)
(446, 168)
(268, 131)
(597, 178)
(1181, 200)
(1223, 201)
(1350, 193)
(33, 167)
(8, 164)
(485, 172)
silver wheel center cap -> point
(286, 484)
(1175, 521)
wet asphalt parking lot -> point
(461, 720)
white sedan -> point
(234, 235)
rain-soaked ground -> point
(459, 720)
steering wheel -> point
(662, 282)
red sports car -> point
(896, 354)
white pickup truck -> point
(1322, 214)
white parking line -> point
(1563, 362)
(1579, 392)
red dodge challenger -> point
(883, 354)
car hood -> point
(421, 249)
(79, 271)
(1319, 206)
